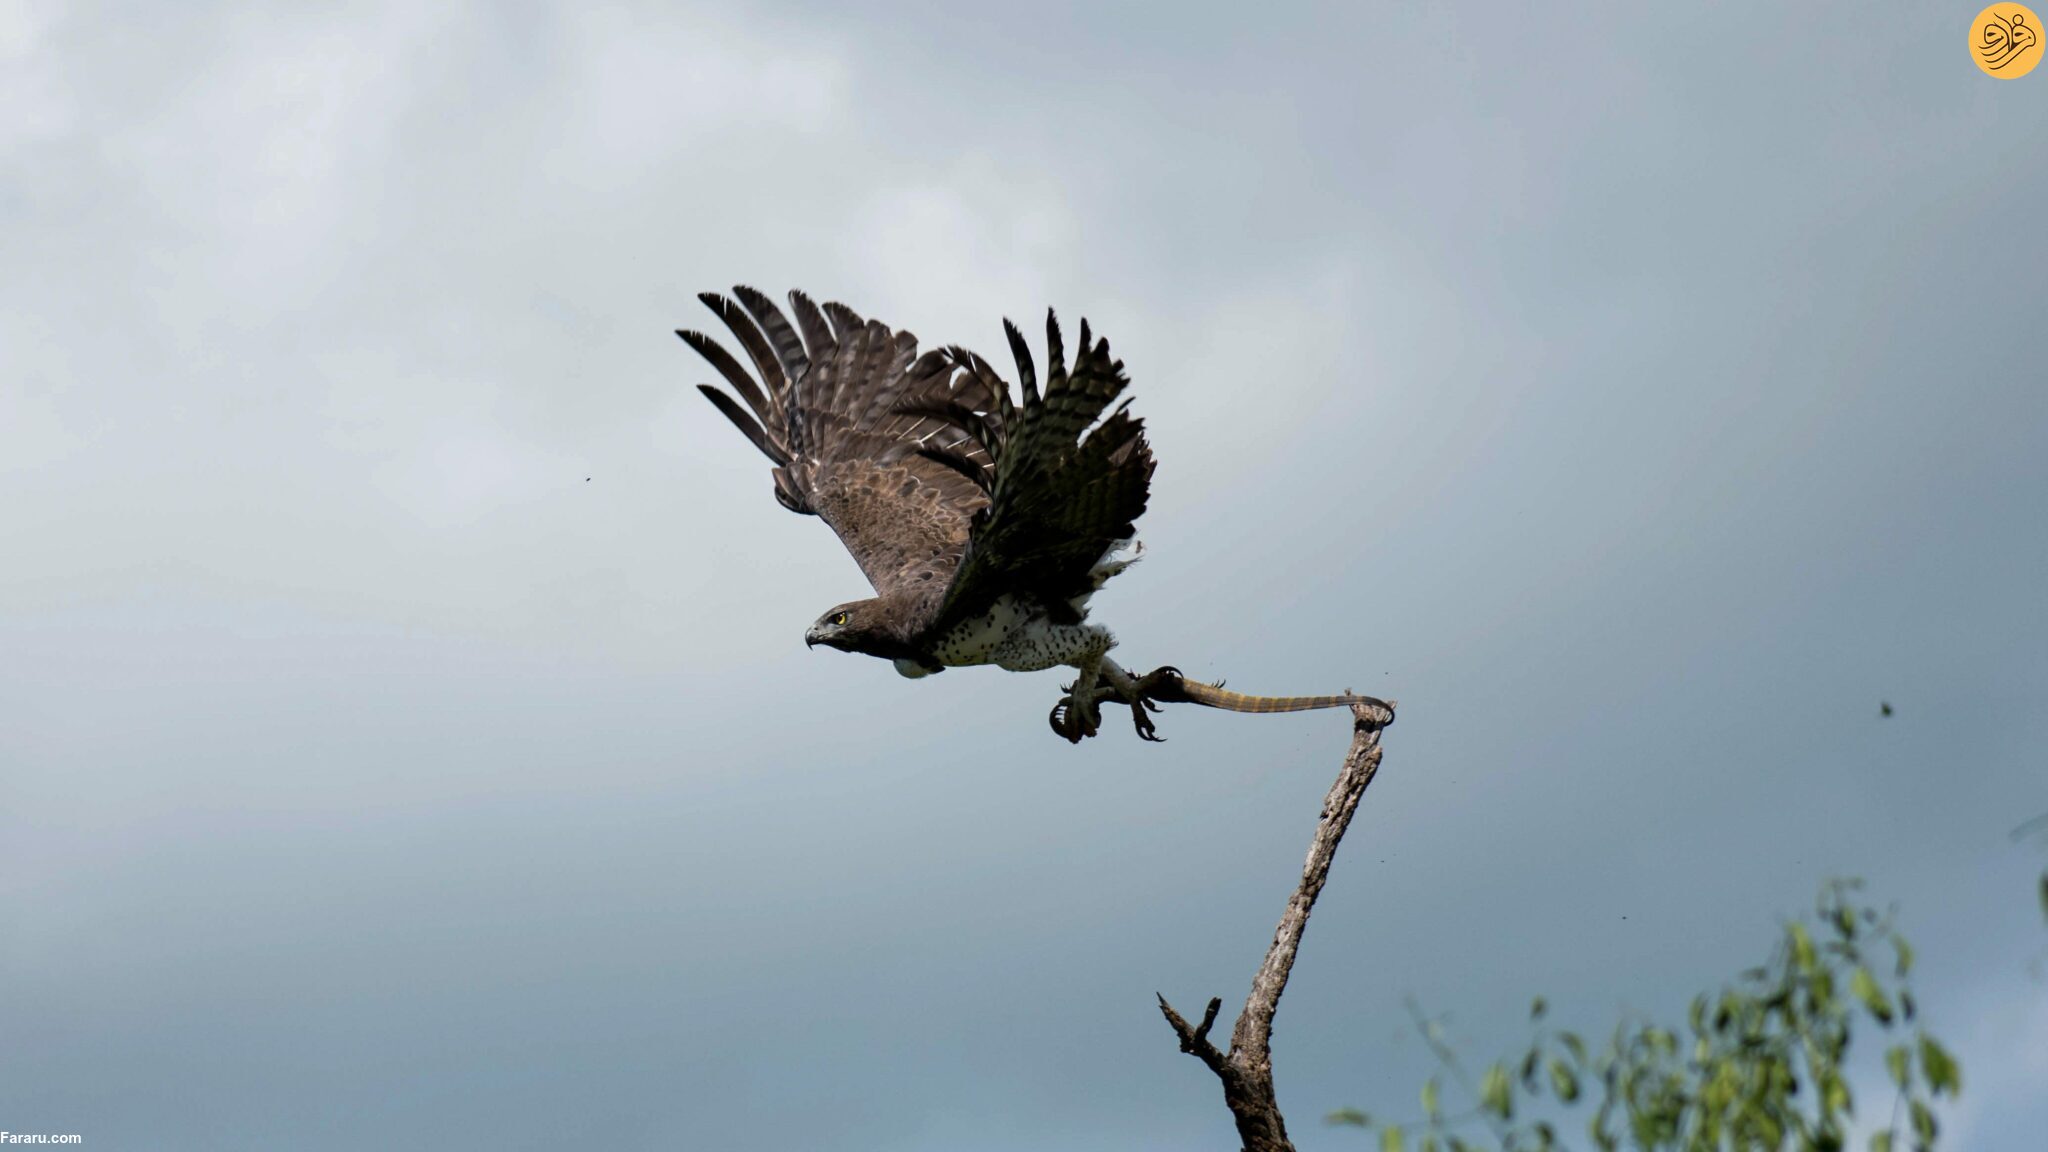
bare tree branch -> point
(1247, 1070)
(1195, 1041)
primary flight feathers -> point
(948, 494)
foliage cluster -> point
(1759, 1066)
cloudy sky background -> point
(1639, 394)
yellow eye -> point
(840, 619)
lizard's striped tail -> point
(1215, 696)
(1173, 687)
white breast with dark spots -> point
(1044, 644)
(1021, 639)
(977, 641)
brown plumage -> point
(984, 524)
(947, 495)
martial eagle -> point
(984, 524)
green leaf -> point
(1391, 1140)
(1577, 1046)
(1349, 1118)
(1924, 1126)
(1564, 1081)
(1845, 921)
(1881, 1141)
(1430, 1099)
(1802, 948)
(1864, 985)
(1906, 1005)
(1602, 1134)
(1538, 1007)
(1943, 1074)
(1898, 1060)
(1823, 991)
(1834, 1094)
(1495, 1095)
(1905, 951)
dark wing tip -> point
(1055, 349)
(844, 320)
(748, 426)
(1020, 351)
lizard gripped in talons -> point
(1168, 685)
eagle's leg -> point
(1140, 693)
(1076, 715)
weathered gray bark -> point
(1247, 1069)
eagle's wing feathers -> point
(942, 488)
(827, 412)
(1063, 488)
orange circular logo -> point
(2005, 41)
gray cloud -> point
(1639, 395)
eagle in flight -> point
(984, 524)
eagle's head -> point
(878, 627)
(857, 626)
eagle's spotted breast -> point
(1016, 638)
(978, 640)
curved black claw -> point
(1146, 729)
(1060, 726)
(1073, 720)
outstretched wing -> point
(827, 409)
(1063, 489)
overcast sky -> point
(406, 735)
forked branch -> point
(1247, 1069)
